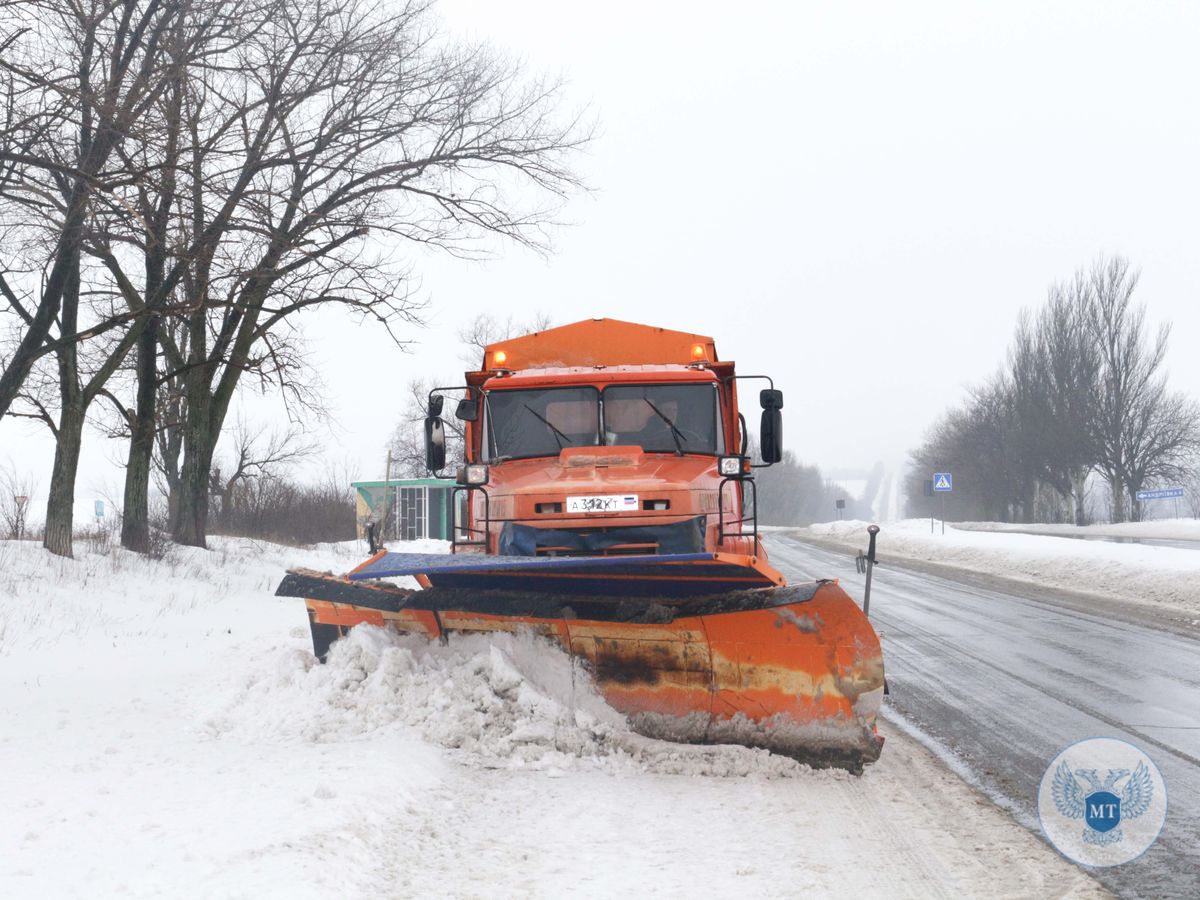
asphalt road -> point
(999, 680)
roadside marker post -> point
(869, 565)
(943, 483)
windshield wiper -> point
(558, 435)
(676, 434)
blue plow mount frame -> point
(665, 575)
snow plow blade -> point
(698, 648)
(666, 575)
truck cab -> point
(605, 438)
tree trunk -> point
(135, 524)
(60, 509)
(1078, 498)
(174, 490)
(191, 521)
(170, 448)
(63, 273)
(1029, 501)
(1116, 490)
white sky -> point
(855, 198)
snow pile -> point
(168, 733)
(111, 595)
(1163, 576)
(501, 701)
(1150, 530)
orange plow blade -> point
(796, 670)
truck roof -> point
(552, 375)
(599, 342)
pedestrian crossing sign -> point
(943, 481)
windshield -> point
(542, 422)
(663, 418)
(659, 418)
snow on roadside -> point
(1162, 576)
(168, 733)
(1152, 529)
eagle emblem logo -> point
(1102, 805)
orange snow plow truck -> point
(607, 502)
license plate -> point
(603, 503)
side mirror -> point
(770, 399)
(436, 402)
(770, 435)
(467, 410)
(435, 444)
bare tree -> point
(276, 507)
(1191, 488)
(60, 398)
(91, 77)
(76, 87)
(1161, 442)
(354, 124)
(16, 494)
(979, 443)
(1085, 391)
(1053, 364)
(258, 451)
(233, 164)
(1142, 430)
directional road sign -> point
(1160, 494)
(943, 482)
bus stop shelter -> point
(405, 509)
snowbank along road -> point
(998, 681)
(169, 734)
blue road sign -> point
(99, 509)
(1160, 494)
(943, 482)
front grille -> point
(619, 550)
(687, 536)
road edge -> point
(1129, 611)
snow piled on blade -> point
(506, 701)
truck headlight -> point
(730, 466)
(474, 474)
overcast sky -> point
(855, 198)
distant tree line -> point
(277, 508)
(183, 182)
(794, 493)
(1082, 397)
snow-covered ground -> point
(167, 733)
(1152, 530)
(1164, 576)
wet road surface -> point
(999, 680)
